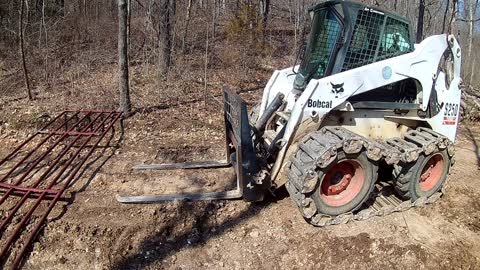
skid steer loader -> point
(364, 98)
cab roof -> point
(356, 5)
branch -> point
(472, 92)
(473, 99)
(140, 4)
(465, 20)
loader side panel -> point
(449, 94)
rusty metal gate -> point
(35, 175)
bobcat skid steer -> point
(363, 98)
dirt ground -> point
(94, 231)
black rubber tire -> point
(371, 173)
(407, 177)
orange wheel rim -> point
(432, 172)
(342, 183)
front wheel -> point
(338, 188)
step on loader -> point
(364, 98)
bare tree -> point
(472, 10)
(187, 23)
(445, 16)
(264, 10)
(22, 50)
(214, 22)
(421, 15)
(165, 37)
(129, 21)
(206, 68)
(452, 26)
(125, 104)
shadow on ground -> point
(199, 233)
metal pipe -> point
(68, 133)
(271, 109)
(93, 111)
(27, 189)
(34, 195)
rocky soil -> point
(91, 230)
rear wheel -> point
(423, 178)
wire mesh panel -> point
(395, 40)
(365, 39)
(326, 31)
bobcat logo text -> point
(319, 104)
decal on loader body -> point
(337, 89)
(319, 104)
(450, 115)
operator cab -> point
(346, 35)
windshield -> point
(326, 28)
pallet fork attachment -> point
(240, 155)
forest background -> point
(67, 51)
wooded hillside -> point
(68, 48)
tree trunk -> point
(421, 15)
(172, 9)
(165, 41)
(452, 28)
(43, 27)
(265, 10)
(214, 23)
(187, 23)
(22, 51)
(206, 70)
(472, 12)
(445, 16)
(472, 72)
(125, 104)
(129, 21)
